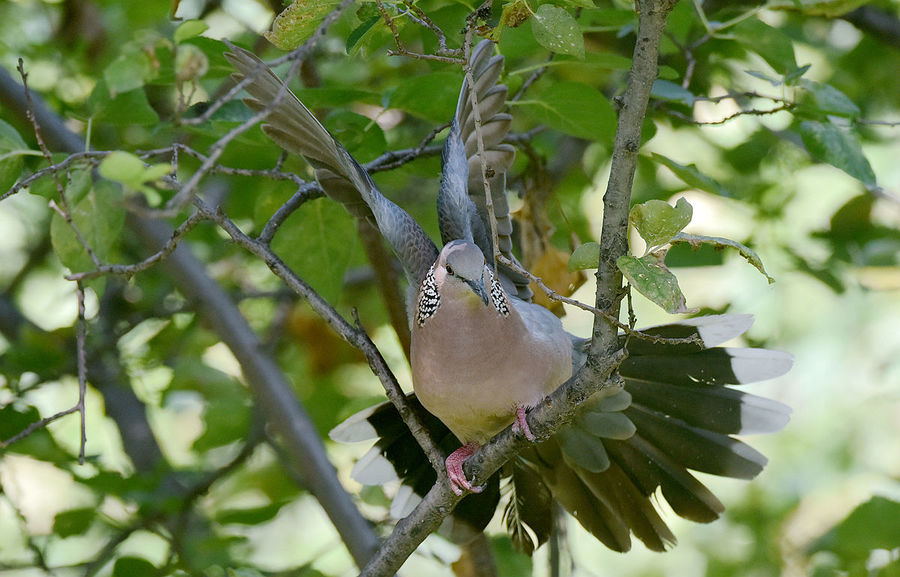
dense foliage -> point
(777, 122)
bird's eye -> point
(449, 269)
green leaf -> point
(298, 21)
(839, 148)
(574, 108)
(773, 45)
(829, 100)
(691, 176)
(671, 92)
(126, 108)
(827, 8)
(123, 167)
(360, 135)
(653, 280)
(307, 244)
(191, 63)
(557, 30)
(133, 567)
(585, 256)
(695, 240)
(10, 163)
(39, 444)
(872, 525)
(658, 222)
(189, 29)
(127, 72)
(73, 521)
(354, 37)
(99, 217)
(429, 96)
(251, 516)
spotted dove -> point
(482, 353)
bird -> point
(482, 353)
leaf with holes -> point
(658, 221)
(557, 30)
(298, 21)
(652, 279)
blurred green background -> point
(821, 211)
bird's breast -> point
(472, 367)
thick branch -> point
(559, 408)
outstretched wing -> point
(293, 127)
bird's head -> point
(460, 270)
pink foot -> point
(454, 463)
(521, 425)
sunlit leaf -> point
(298, 21)
(695, 240)
(837, 147)
(189, 29)
(652, 279)
(658, 222)
(557, 30)
(123, 167)
(127, 72)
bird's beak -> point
(478, 288)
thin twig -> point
(443, 56)
(131, 269)
(534, 77)
(36, 426)
(81, 353)
(750, 112)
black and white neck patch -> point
(429, 298)
(498, 297)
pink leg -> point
(521, 424)
(454, 463)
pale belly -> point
(476, 394)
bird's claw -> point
(520, 425)
(454, 464)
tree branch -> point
(267, 382)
